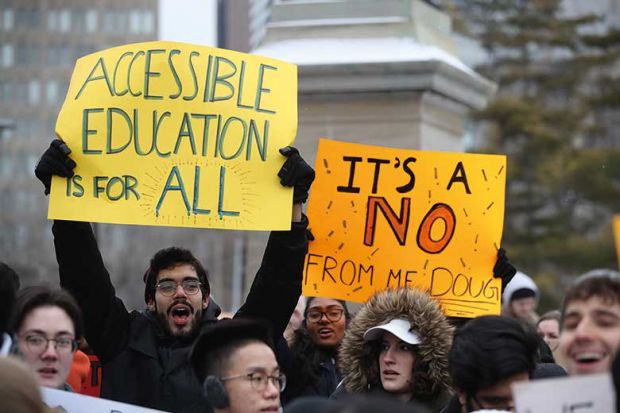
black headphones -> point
(215, 392)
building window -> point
(91, 21)
(27, 18)
(7, 57)
(6, 92)
(6, 19)
(141, 22)
(52, 20)
(148, 22)
(64, 21)
(135, 22)
(27, 55)
(78, 18)
(34, 92)
(115, 21)
(60, 55)
(108, 22)
(28, 128)
(51, 91)
(20, 92)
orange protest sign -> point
(385, 218)
(616, 225)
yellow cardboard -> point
(176, 134)
(446, 212)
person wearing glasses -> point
(397, 346)
(488, 355)
(45, 323)
(235, 362)
(144, 354)
(314, 347)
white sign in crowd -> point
(580, 394)
(68, 402)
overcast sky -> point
(190, 21)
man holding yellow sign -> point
(144, 354)
(131, 118)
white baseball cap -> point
(400, 328)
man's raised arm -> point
(81, 268)
(277, 285)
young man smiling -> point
(144, 354)
(590, 335)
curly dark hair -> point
(169, 258)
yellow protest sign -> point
(175, 134)
(616, 225)
(385, 218)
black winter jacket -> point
(142, 365)
(311, 370)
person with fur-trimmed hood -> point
(398, 345)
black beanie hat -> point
(523, 293)
(226, 333)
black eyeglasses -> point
(259, 380)
(37, 343)
(493, 402)
(167, 288)
(332, 315)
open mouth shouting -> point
(180, 314)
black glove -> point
(503, 268)
(54, 161)
(296, 173)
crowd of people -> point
(398, 352)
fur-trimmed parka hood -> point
(355, 358)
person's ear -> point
(205, 301)
(151, 305)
